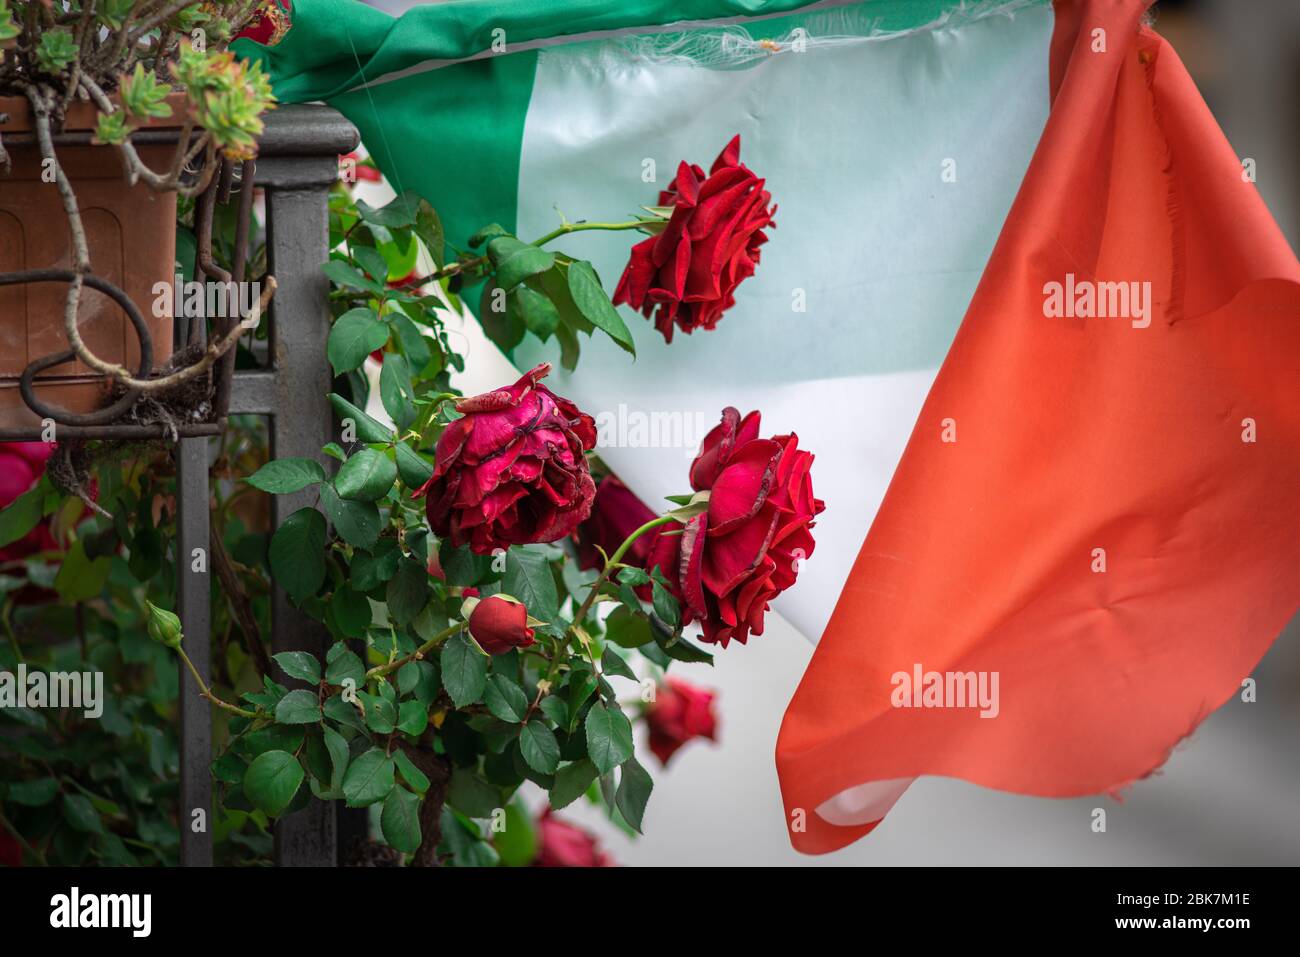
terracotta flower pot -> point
(131, 235)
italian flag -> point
(1023, 301)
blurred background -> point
(1228, 796)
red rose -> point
(21, 466)
(269, 24)
(730, 561)
(499, 624)
(561, 844)
(11, 852)
(511, 470)
(616, 514)
(680, 712)
(690, 271)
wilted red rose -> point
(733, 559)
(690, 271)
(21, 466)
(499, 624)
(511, 470)
(681, 712)
(561, 844)
(616, 514)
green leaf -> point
(429, 228)
(81, 815)
(280, 476)
(487, 232)
(412, 717)
(354, 335)
(272, 780)
(571, 783)
(609, 737)
(337, 747)
(366, 476)
(410, 773)
(554, 708)
(408, 591)
(297, 554)
(471, 795)
(300, 665)
(464, 669)
(369, 779)
(612, 663)
(666, 606)
(373, 568)
(351, 611)
(36, 793)
(396, 391)
(517, 844)
(372, 261)
(298, 707)
(21, 515)
(590, 298)
(400, 820)
(528, 577)
(540, 749)
(368, 429)
(538, 313)
(505, 699)
(342, 665)
(502, 325)
(81, 578)
(413, 469)
(515, 261)
(634, 787)
(399, 212)
(414, 345)
(358, 523)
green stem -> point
(380, 670)
(206, 692)
(610, 564)
(567, 228)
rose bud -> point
(680, 713)
(561, 844)
(616, 514)
(732, 560)
(691, 269)
(499, 624)
(164, 627)
(511, 470)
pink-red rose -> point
(680, 713)
(499, 625)
(733, 559)
(689, 272)
(561, 844)
(511, 470)
(616, 514)
(21, 466)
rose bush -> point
(686, 276)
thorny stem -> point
(380, 671)
(567, 228)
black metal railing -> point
(296, 166)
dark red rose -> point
(561, 844)
(21, 466)
(511, 470)
(11, 852)
(690, 271)
(616, 514)
(499, 624)
(680, 713)
(732, 560)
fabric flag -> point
(1021, 300)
